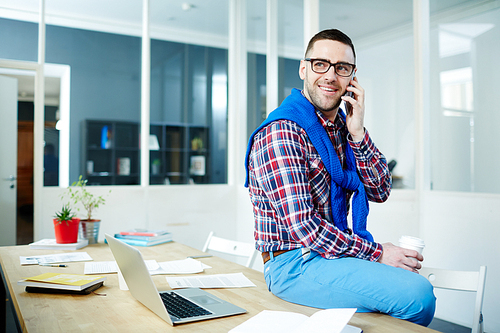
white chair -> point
(231, 247)
(464, 281)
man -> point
(304, 165)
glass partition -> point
(188, 131)
(105, 66)
(464, 103)
(385, 69)
(290, 32)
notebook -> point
(142, 287)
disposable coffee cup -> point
(412, 243)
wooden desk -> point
(118, 311)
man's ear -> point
(302, 69)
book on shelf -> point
(143, 242)
(62, 281)
(144, 232)
(50, 244)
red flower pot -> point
(66, 231)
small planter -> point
(89, 229)
(66, 231)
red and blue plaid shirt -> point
(290, 189)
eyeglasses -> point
(322, 66)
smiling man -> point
(307, 165)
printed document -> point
(103, 267)
(55, 258)
(236, 280)
(185, 266)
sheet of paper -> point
(184, 266)
(103, 267)
(55, 258)
(271, 321)
(323, 321)
(100, 267)
(326, 321)
(236, 280)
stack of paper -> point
(50, 244)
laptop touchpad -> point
(204, 300)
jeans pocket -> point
(267, 276)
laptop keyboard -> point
(181, 307)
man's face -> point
(324, 90)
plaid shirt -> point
(290, 190)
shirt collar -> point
(325, 122)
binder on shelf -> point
(123, 166)
(153, 142)
(105, 137)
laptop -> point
(196, 304)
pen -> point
(52, 265)
(202, 256)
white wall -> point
(190, 212)
(460, 231)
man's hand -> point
(355, 121)
(396, 256)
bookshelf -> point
(182, 155)
(179, 153)
(111, 152)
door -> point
(8, 163)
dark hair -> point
(330, 34)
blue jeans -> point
(313, 281)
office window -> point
(188, 114)
(105, 66)
(290, 49)
(188, 93)
(385, 69)
(464, 101)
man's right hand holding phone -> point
(356, 114)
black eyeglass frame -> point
(311, 60)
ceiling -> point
(207, 20)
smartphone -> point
(348, 105)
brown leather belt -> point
(266, 256)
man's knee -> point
(423, 303)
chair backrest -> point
(236, 248)
(463, 281)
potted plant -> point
(66, 226)
(78, 194)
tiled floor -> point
(447, 327)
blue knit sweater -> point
(298, 109)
